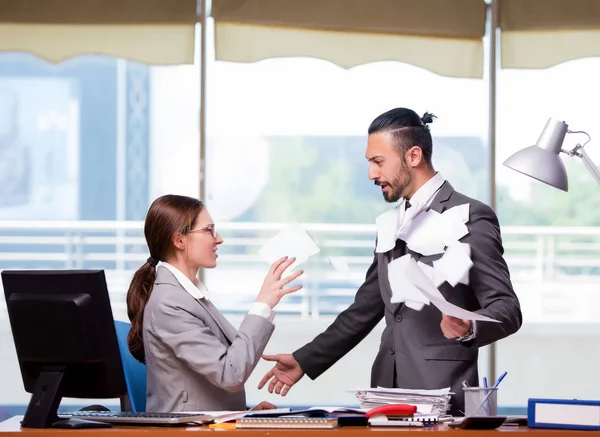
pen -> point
(487, 404)
(500, 379)
(491, 391)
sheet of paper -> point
(234, 415)
(413, 391)
(423, 235)
(451, 227)
(340, 264)
(455, 264)
(465, 278)
(292, 241)
(461, 212)
(435, 276)
(338, 409)
(387, 224)
(402, 289)
(417, 277)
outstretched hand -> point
(283, 375)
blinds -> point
(444, 36)
(150, 31)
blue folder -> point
(563, 414)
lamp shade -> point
(541, 162)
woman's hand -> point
(264, 405)
(272, 290)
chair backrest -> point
(135, 372)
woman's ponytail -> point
(137, 297)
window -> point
(286, 142)
(551, 237)
(85, 145)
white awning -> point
(443, 36)
(543, 33)
(149, 31)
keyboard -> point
(128, 418)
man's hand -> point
(283, 375)
(454, 328)
(264, 405)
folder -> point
(563, 414)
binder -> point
(563, 414)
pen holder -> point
(480, 401)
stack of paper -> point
(426, 401)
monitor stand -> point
(45, 399)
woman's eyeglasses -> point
(209, 228)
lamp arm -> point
(580, 152)
(588, 163)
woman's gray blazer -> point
(196, 360)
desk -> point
(12, 428)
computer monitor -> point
(65, 339)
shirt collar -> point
(197, 290)
(424, 195)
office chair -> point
(135, 372)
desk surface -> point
(12, 427)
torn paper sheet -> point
(402, 289)
(460, 211)
(292, 241)
(435, 276)
(387, 224)
(422, 234)
(420, 280)
(340, 264)
(455, 264)
(451, 226)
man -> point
(419, 349)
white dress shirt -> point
(199, 291)
(420, 201)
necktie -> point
(406, 205)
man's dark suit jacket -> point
(413, 341)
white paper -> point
(230, 416)
(387, 224)
(455, 264)
(465, 278)
(426, 401)
(418, 278)
(402, 289)
(461, 211)
(423, 234)
(338, 409)
(340, 264)
(435, 276)
(451, 227)
(292, 241)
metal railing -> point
(534, 255)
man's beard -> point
(398, 185)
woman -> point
(196, 360)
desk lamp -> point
(542, 162)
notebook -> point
(287, 422)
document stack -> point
(430, 402)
